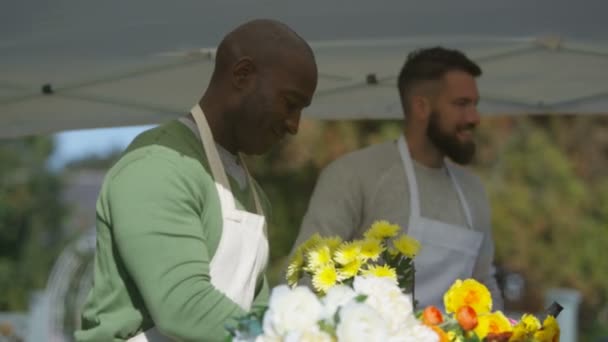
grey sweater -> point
(370, 184)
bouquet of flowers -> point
(331, 261)
(469, 317)
(362, 291)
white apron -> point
(242, 253)
(448, 251)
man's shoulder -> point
(172, 134)
(154, 153)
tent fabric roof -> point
(120, 63)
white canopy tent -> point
(74, 64)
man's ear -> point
(421, 107)
(243, 73)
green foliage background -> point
(30, 219)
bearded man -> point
(415, 181)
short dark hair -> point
(431, 64)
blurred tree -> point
(549, 207)
(94, 162)
(30, 219)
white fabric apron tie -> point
(242, 253)
(448, 251)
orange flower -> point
(466, 317)
(431, 316)
(443, 337)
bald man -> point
(181, 236)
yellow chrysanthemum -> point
(407, 246)
(530, 323)
(332, 242)
(526, 327)
(347, 252)
(371, 249)
(495, 323)
(313, 241)
(383, 271)
(318, 257)
(469, 292)
(453, 337)
(520, 334)
(325, 278)
(549, 332)
(393, 252)
(382, 230)
(294, 270)
(351, 269)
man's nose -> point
(293, 122)
(473, 116)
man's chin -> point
(253, 152)
(257, 150)
(463, 156)
(462, 161)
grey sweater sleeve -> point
(335, 207)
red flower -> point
(431, 316)
(498, 337)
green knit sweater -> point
(159, 224)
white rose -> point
(240, 339)
(289, 310)
(374, 286)
(336, 297)
(360, 322)
(415, 333)
(314, 335)
(266, 338)
(385, 296)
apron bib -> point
(448, 251)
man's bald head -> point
(265, 75)
(265, 42)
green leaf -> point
(361, 298)
(327, 327)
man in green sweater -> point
(181, 236)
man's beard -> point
(461, 153)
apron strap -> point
(256, 198)
(217, 168)
(411, 178)
(463, 201)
